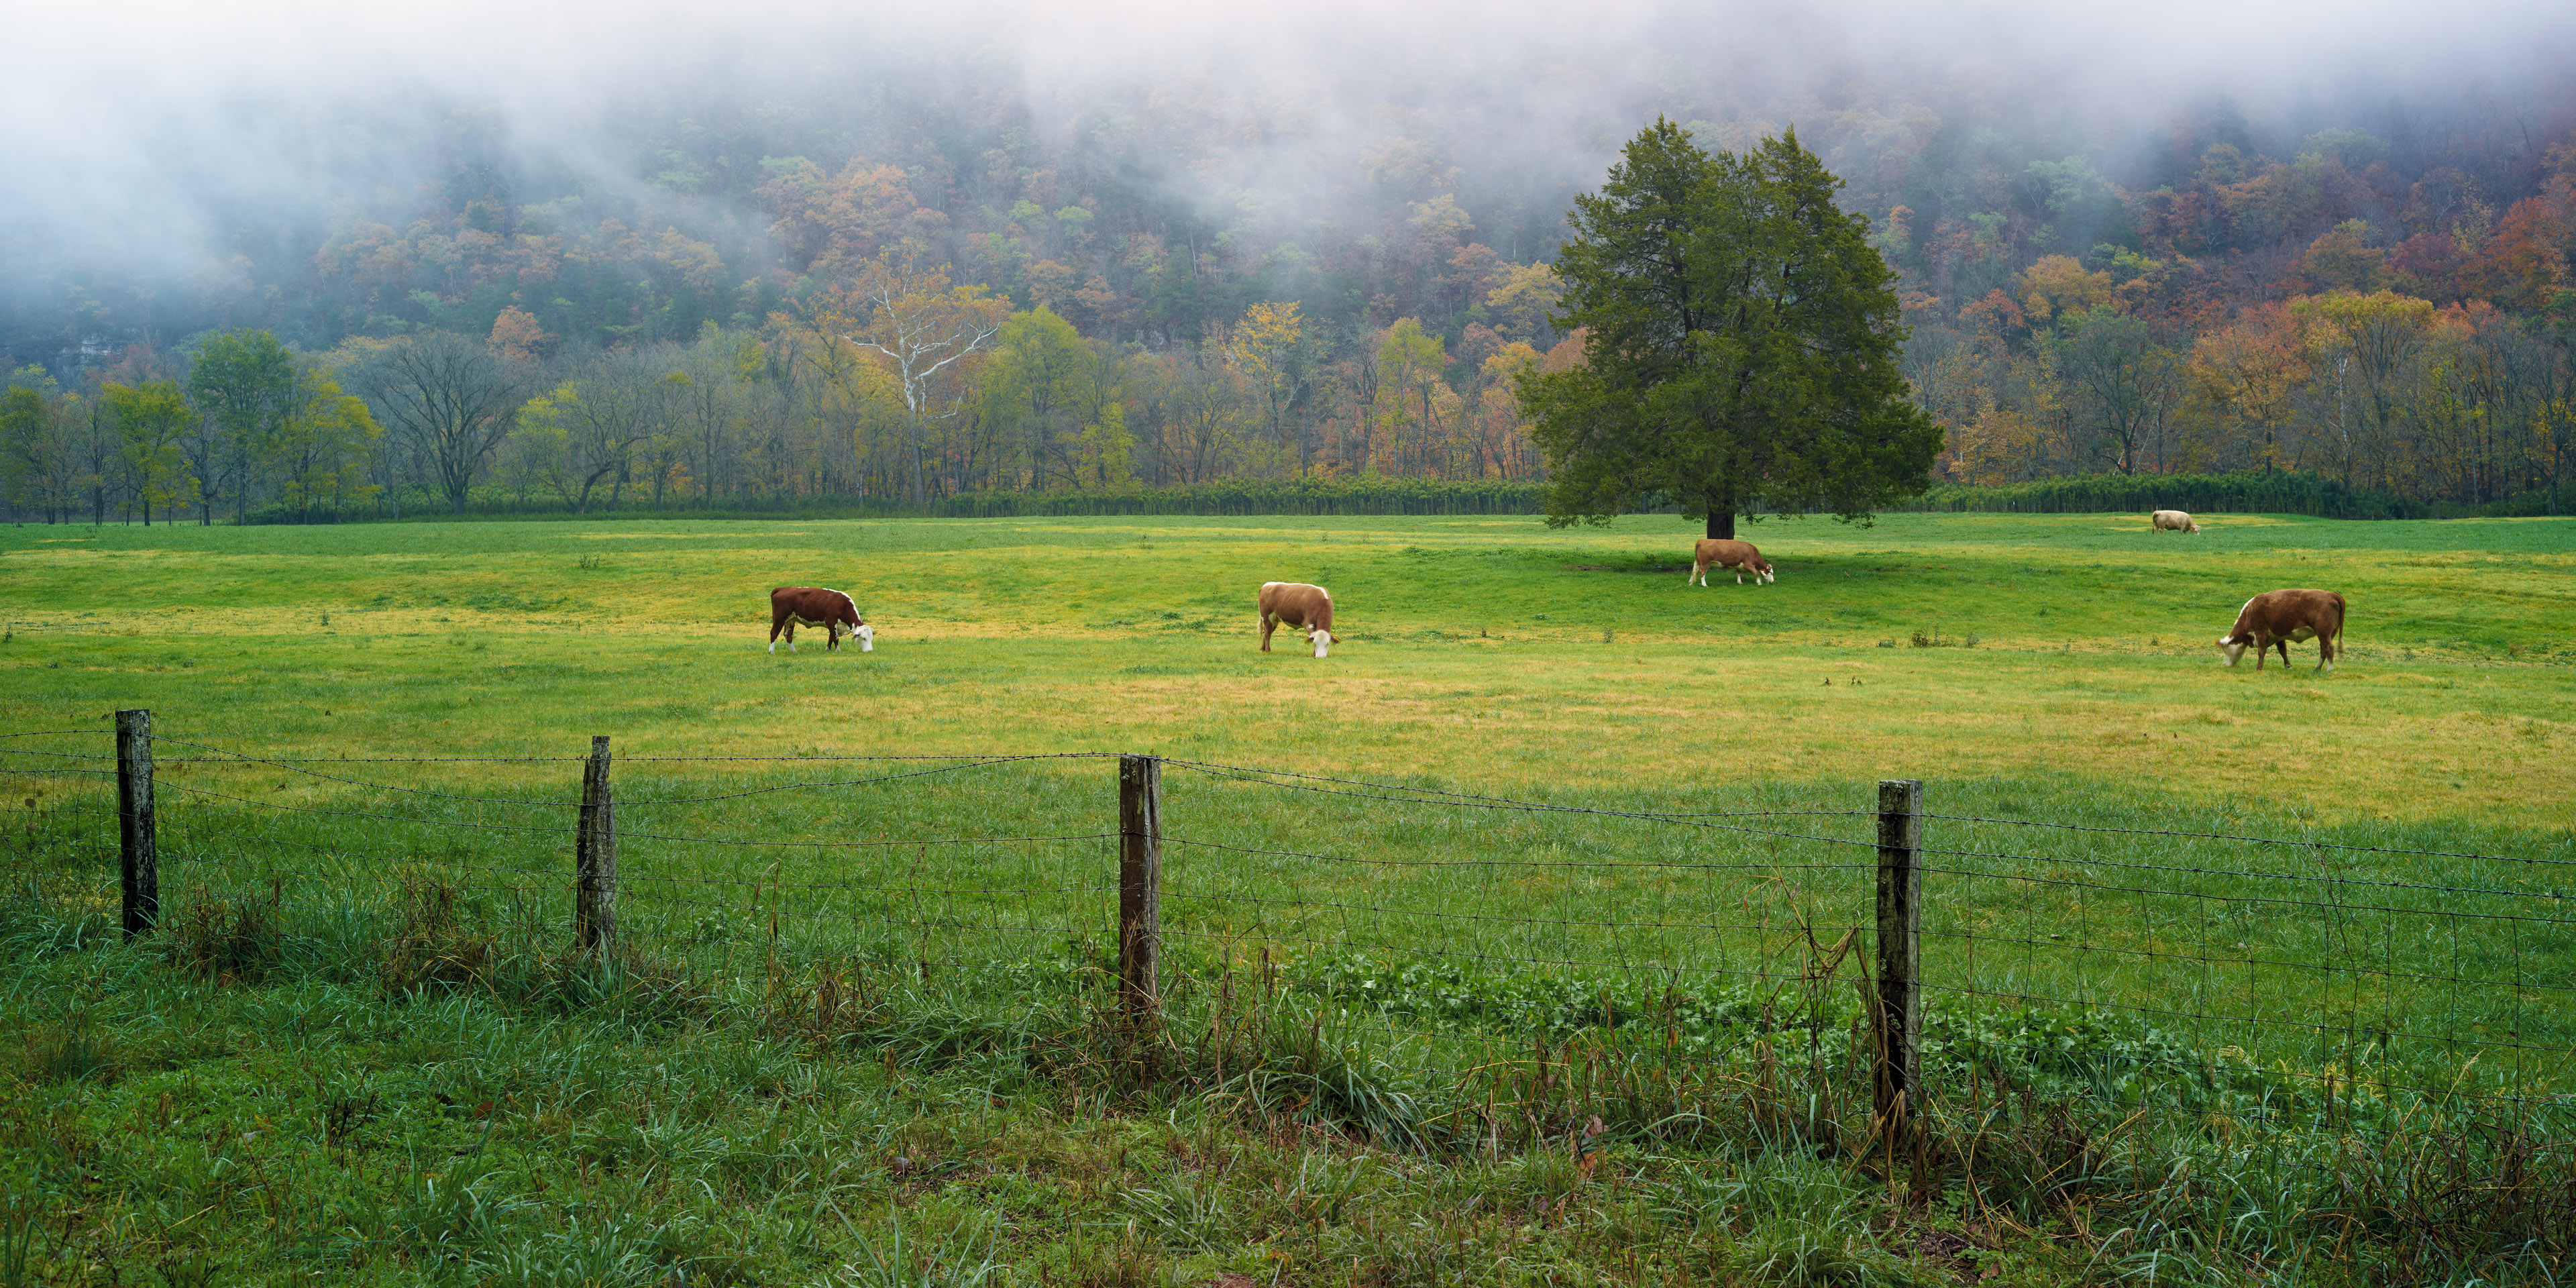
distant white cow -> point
(2171, 521)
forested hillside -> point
(923, 276)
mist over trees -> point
(906, 275)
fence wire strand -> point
(2112, 939)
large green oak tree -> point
(1740, 345)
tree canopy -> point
(1740, 345)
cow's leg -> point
(775, 621)
(832, 637)
(1268, 624)
(791, 635)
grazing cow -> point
(2171, 521)
(1300, 607)
(1718, 552)
(794, 606)
(2276, 617)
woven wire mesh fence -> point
(727, 864)
(2295, 969)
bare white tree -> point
(926, 329)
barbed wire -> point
(1532, 807)
(1211, 767)
(2222, 1021)
(844, 782)
(860, 845)
(2295, 877)
(997, 758)
(236, 759)
(1609, 865)
(384, 760)
(2224, 959)
(2267, 900)
(1402, 951)
(297, 767)
(1381, 910)
(2250, 840)
(58, 773)
(861, 898)
(341, 813)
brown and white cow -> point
(1300, 607)
(2277, 617)
(1726, 552)
(2171, 521)
(794, 606)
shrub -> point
(431, 943)
(227, 940)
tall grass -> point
(1471, 987)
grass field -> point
(1483, 650)
(2064, 675)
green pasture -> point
(2051, 669)
(1478, 650)
(857, 1037)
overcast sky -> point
(123, 119)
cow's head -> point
(1322, 639)
(866, 635)
(1762, 569)
(2233, 647)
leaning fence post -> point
(594, 853)
(1900, 948)
(138, 839)
(1140, 884)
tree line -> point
(2435, 362)
(894, 384)
(2393, 311)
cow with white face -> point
(2276, 618)
(1301, 607)
(2171, 521)
(794, 606)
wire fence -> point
(2107, 952)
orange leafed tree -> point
(2250, 373)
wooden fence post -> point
(1140, 885)
(138, 838)
(1900, 949)
(594, 850)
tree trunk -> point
(1721, 524)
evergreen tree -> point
(1740, 344)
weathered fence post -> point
(1140, 884)
(1900, 949)
(594, 856)
(138, 838)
